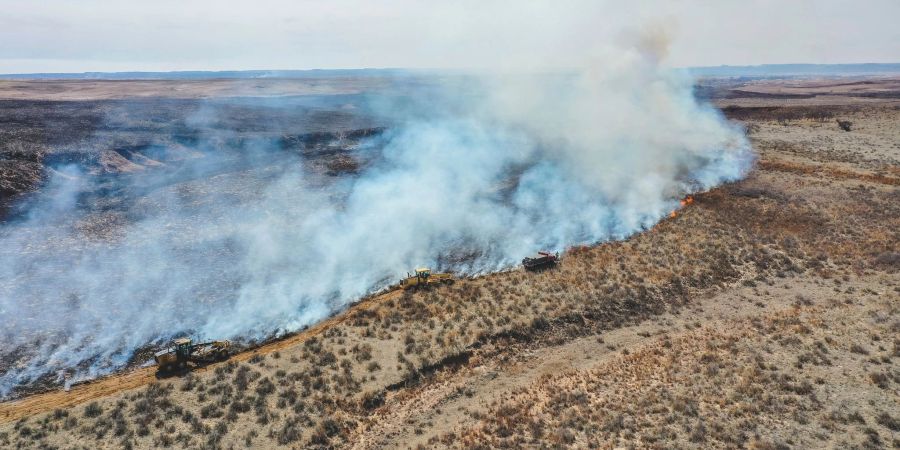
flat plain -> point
(764, 314)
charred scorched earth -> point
(75, 176)
(763, 314)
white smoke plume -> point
(491, 167)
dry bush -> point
(93, 410)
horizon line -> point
(424, 69)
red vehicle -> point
(543, 260)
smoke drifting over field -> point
(474, 175)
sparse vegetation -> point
(765, 292)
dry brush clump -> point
(741, 386)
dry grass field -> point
(765, 314)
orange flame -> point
(684, 202)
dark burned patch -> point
(740, 93)
(831, 172)
(47, 381)
(882, 94)
(342, 165)
(888, 260)
(49, 123)
(120, 175)
(460, 256)
(787, 113)
(451, 362)
(44, 383)
(83, 159)
(18, 176)
(21, 151)
(333, 153)
(141, 153)
(19, 179)
(99, 136)
(319, 143)
(765, 212)
(143, 354)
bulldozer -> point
(184, 351)
(423, 278)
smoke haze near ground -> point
(474, 174)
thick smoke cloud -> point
(476, 174)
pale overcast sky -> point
(124, 35)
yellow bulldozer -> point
(183, 351)
(423, 278)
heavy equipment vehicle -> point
(424, 278)
(184, 351)
(543, 260)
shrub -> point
(325, 431)
(210, 411)
(331, 427)
(362, 352)
(165, 440)
(880, 379)
(241, 378)
(372, 400)
(265, 387)
(240, 406)
(93, 410)
(540, 323)
(859, 349)
(326, 359)
(289, 395)
(886, 420)
(289, 432)
(189, 383)
(248, 439)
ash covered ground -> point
(77, 177)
